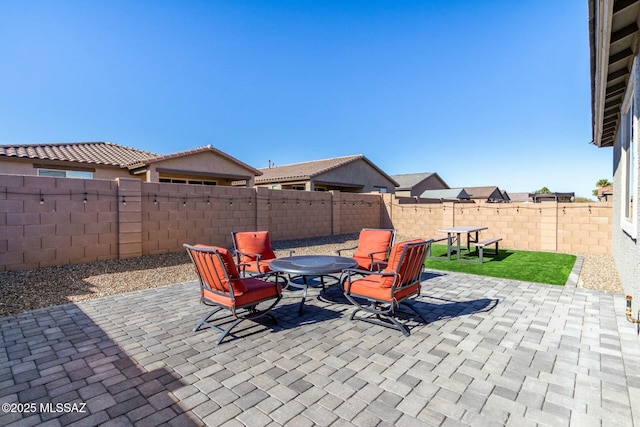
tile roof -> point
(99, 153)
(408, 180)
(445, 194)
(481, 192)
(519, 197)
(305, 170)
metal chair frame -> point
(212, 282)
(407, 273)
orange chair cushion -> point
(394, 260)
(252, 266)
(369, 287)
(228, 264)
(364, 263)
(254, 242)
(256, 290)
(371, 241)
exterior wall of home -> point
(357, 172)
(431, 183)
(25, 167)
(56, 221)
(204, 163)
(626, 249)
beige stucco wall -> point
(431, 183)
(25, 167)
(205, 163)
(358, 172)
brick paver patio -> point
(495, 352)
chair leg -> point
(253, 313)
(384, 317)
(203, 320)
(226, 331)
(383, 320)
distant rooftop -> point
(99, 153)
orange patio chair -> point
(373, 248)
(253, 251)
(222, 287)
(381, 293)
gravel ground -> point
(32, 289)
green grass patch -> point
(527, 266)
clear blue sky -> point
(489, 92)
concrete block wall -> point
(355, 211)
(585, 228)
(296, 214)
(55, 221)
(174, 214)
(549, 226)
(82, 221)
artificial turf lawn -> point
(526, 266)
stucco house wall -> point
(432, 182)
(206, 165)
(625, 248)
(359, 173)
(26, 167)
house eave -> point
(613, 39)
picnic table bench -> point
(488, 242)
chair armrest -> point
(378, 252)
(379, 266)
(238, 253)
(348, 272)
(338, 251)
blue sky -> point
(488, 92)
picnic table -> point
(454, 234)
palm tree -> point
(543, 190)
(600, 184)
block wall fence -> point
(57, 221)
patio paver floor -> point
(495, 352)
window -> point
(629, 162)
(380, 189)
(188, 181)
(60, 173)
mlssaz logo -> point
(63, 407)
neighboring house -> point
(552, 197)
(105, 160)
(519, 197)
(414, 184)
(615, 107)
(486, 194)
(353, 174)
(447, 194)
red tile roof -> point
(99, 153)
(103, 153)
